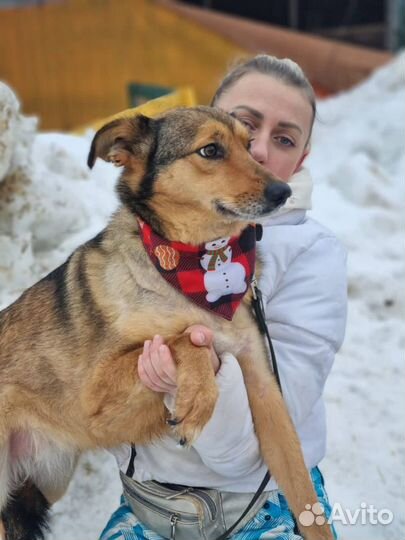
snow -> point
(50, 203)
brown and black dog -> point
(69, 345)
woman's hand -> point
(156, 367)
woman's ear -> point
(302, 158)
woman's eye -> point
(285, 141)
(247, 124)
(210, 151)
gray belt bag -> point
(186, 513)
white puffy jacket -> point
(304, 288)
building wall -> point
(71, 62)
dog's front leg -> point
(197, 391)
(118, 408)
(279, 443)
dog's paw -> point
(192, 412)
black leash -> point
(131, 463)
(258, 307)
(259, 491)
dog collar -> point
(215, 275)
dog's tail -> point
(26, 514)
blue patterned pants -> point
(274, 520)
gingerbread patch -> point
(167, 256)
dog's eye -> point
(211, 151)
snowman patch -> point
(222, 275)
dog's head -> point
(189, 173)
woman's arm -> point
(227, 444)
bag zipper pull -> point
(173, 521)
(174, 495)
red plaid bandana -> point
(215, 276)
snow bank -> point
(358, 163)
(16, 134)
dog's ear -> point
(122, 140)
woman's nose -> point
(259, 150)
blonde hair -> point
(284, 70)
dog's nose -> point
(277, 193)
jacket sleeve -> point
(306, 316)
(228, 444)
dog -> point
(69, 345)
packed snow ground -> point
(52, 203)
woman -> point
(304, 288)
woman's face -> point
(278, 117)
